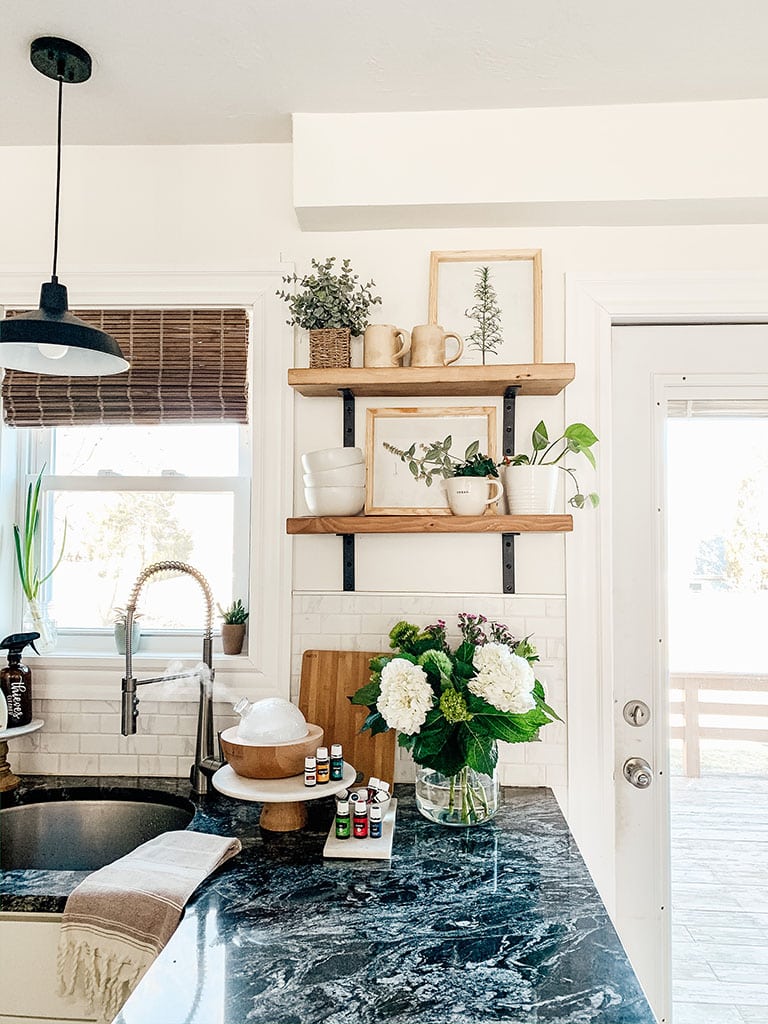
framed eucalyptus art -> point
(493, 298)
(392, 487)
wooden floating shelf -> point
(429, 524)
(439, 381)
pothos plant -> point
(577, 438)
(328, 299)
(435, 459)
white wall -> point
(231, 207)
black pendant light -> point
(51, 340)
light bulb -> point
(53, 351)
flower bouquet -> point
(451, 707)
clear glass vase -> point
(467, 798)
(38, 620)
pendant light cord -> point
(58, 182)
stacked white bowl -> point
(334, 481)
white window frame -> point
(35, 451)
(265, 670)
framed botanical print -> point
(493, 298)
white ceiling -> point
(223, 71)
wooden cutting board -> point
(327, 679)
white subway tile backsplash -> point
(83, 736)
(105, 743)
(138, 744)
(36, 764)
(150, 764)
(80, 764)
(521, 764)
(118, 764)
(59, 743)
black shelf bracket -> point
(508, 420)
(348, 539)
(508, 562)
(348, 559)
(508, 442)
(348, 399)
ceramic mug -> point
(469, 495)
(428, 345)
(385, 345)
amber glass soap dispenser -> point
(16, 679)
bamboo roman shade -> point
(187, 365)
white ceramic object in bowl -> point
(330, 458)
(334, 501)
(344, 476)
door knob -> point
(638, 772)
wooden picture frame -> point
(390, 488)
(520, 329)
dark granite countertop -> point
(497, 923)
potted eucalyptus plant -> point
(468, 481)
(233, 627)
(331, 306)
(531, 478)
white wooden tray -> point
(364, 849)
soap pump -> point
(16, 678)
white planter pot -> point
(469, 495)
(530, 490)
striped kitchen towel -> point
(120, 917)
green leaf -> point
(479, 747)
(375, 722)
(368, 694)
(472, 450)
(590, 456)
(594, 499)
(539, 438)
(580, 432)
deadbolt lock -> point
(638, 772)
(637, 712)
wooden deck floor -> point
(720, 899)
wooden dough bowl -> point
(271, 761)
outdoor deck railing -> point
(691, 707)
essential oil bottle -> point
(375, 827)
(343, 824)
(360, 820)
(337, 763)
(310, 771)
(373, 785)
(323, 766)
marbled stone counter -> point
(497, 923)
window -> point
(132, 495)
(151, 465)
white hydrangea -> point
(405, 696)
(503, 679)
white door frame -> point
(594, 304)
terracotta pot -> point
(232, 636)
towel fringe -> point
(103, 979)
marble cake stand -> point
(7, 779)
(285, 800)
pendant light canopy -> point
(50, 339)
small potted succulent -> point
(120, 617)
(332, 307)
(530, 480)
(233, 627)
(468, 482)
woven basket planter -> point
(329, 347)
